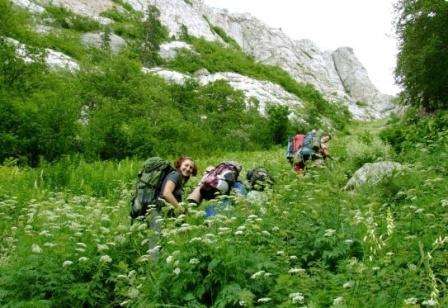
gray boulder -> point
(168, 51)
(372, 173)
(97, 40)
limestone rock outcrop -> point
(372, 173)
(168, 51)
(264, 92)
(97, 40)
(54, 59)
(338, 74)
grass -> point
(66, 225)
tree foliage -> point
(422, 66)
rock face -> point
(337, 74)
(30, 6)
(168, 51)
(97, 40)
(263, 91)
(168, 75)
(357, 84)
(54, 59)
(91, 9)
(301, 58)
(372, 173)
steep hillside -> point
(100, 80)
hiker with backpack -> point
(301, 148)
(158, 181)
(258, 180)
(172, 187)
(217, 181)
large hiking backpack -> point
(222, 177)
(148, 186)
(259, 179)
(312, 140)
(294, 145)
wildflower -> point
(102, 247)
(83, 259)
(293, 257)
(239, 232)
(176, 271)
(133, 293)
(194, 261)
(429, 302)
(257, 274)
(36, 248)
(275, 229)
(82, 245)
(264, 300)
(80, 249)
(142, 243)
(280, 253)
(411, 301)
(67, 263)
(154, 250)
(224, 229)
(338, 300)
(296, 271)
(106, 259)
(144, 258)
(141, 227)
(169, 259)
(124, 303)
(348, 284)
(329, 232)
(242, 303)
(348, 241)
(264, 232)
(49, 244)
(241, 228)
(297, 298)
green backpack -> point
(148, 186)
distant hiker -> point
(159, 180)
(217, 181)
(314, 146)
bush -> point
(422, 66)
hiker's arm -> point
(167, 193)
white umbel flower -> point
(67, 263)
(36, 248)
(106, 259)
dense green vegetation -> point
(66, 238)
(422, 66)
(65, 233)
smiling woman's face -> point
(186, 168)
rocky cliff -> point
(337, 74)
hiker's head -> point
(325, 137)
(186, 166)
(208, 169)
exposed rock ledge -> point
(263, 91)
(54, 59)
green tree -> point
(422, 66)
(153, 35)
(278, 123)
